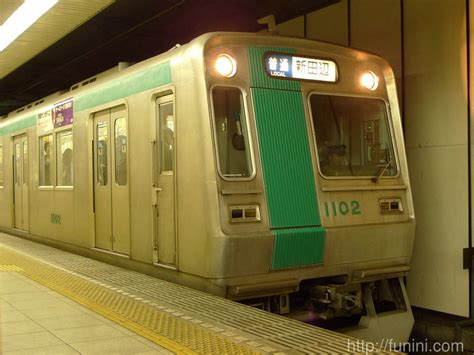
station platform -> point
(55, 302)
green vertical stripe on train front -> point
(287, 166)
(286, 159)
(298, 247)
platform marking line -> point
(172, 333)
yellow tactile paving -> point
(169, 332)
(177, 318)
(9, 268)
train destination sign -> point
(293, 67)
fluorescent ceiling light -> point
(23, 17)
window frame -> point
(245, 98)
(389, 128)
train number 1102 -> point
(342, 208)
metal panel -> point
(120, 189)
(102, 181)
(164, 187)
(287, 167)
(298, 247)
(286, 159)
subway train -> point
(265, 169)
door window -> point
(25, 162)
(17, 163)
(166, 136)
(102, 158)
(121, 169)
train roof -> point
(200, 43)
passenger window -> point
(166, 136)
(1, 166)
(45, 160)
(64, 158)
(121, 151)
(353, 136)
(231, 131)
(102, 162)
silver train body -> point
(256, 167)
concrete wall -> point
(436, 139)
(429, 38)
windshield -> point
(352, 136)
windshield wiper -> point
(382, 171)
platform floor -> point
(60, 302)
(36, 320)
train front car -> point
(315, 203)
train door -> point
(164, 184)
(111, 185)
(20, 179)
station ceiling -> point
(80, 38)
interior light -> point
(370, 80)
(226, 65)
(23, 17)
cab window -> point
(352, 136)
(231, 132)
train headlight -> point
(370, 80)
(226, 65)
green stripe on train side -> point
(287, 166)
(155, 76)
(18, 125)
(147, 79)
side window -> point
(64, 158)
(166, 136)
(231, 132)
(46, 160)
(1, 166)
(121, 144)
